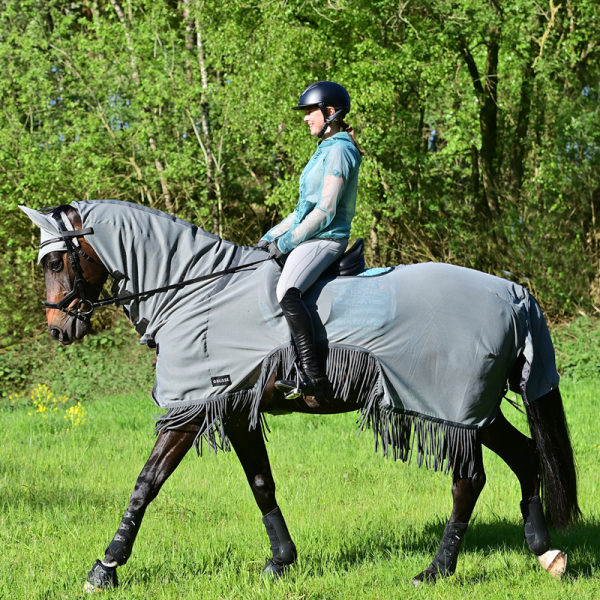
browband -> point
(68, 234)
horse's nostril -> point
(55, 333)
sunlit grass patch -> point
(364, 526)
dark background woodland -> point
(479, 118)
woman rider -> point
(312, 237)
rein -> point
(85, 307)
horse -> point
(76, 268)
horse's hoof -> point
(273, 570)
(101, 578)
(88, 588)
(429, 575)
(554, 562)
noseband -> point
(85, 307)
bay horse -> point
(74, 281)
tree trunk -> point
(136, 80)
(488, 124)
(475, 172)
(213, 188)
(487, 93)
(212, 180)
(519, 147)
(375, 239)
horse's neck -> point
(146, 244)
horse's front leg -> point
(465, 492)
(170, 448)
(252, 452)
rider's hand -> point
(274, 251)
(263, 245)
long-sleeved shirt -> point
(327, 203)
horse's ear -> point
(44, 222)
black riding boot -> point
(315, 382)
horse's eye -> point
(55, 265)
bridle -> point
(85, 307)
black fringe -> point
(216, 412)
(353, 372)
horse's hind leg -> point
(252, 452)
(519, 453)
(170, 448)
(465, 492)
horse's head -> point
(74, 274)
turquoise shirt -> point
(328, 190)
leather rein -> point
(85, 307)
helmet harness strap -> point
(329, 119)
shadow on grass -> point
(361, 545)
(581, 543)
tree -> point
(479, 122)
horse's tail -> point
(550, 433)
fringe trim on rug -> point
(215, 413)
(354, 373)
(440, 445)
(437, 444)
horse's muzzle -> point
(69, 330)
(60, 335)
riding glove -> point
(274, 251)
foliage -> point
(479, 121)
(50, 407)
(577, 346)
(109, 361)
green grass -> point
(364, 526)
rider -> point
(312, 237)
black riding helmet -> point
(324, 94)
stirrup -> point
(291, 390)
(319, 388)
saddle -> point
(351, 263)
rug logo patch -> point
(221, 380)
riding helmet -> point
(324, 94)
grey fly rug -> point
(429, 347)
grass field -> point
(364, 526)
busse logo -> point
(221, 380)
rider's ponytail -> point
(350, 131)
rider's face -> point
(314, 118)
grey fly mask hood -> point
(50, 235)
